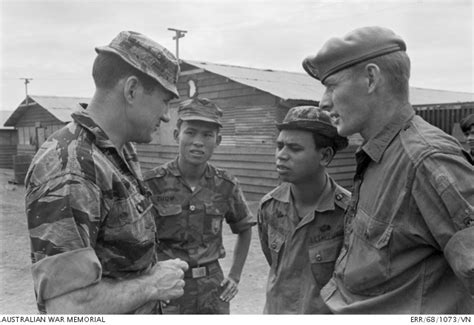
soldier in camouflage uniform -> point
(192, 198)
(89, 215)
(301, 221)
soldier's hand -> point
(230, 289)
(167, 279)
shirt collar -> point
(86, 121)
(376, 146)
(326, 199)
(173, 168)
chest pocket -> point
(322, 257)
(213, 218)
(130, 222)
(170, 221)
(368, 258)
(276, 241)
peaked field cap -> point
(359, 45)
(147, 56)
(200, 109)
(313, 119)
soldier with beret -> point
(467, 127)
(409, 230)
(89, 214)
(191, 199)
(301, 222)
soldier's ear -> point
(326, 156)
(176, 135)
(218, 139)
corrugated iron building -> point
(253, 100)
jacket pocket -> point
(170, 221)
(368, 258)
(212, 221)
(322, 257)
(276, 240)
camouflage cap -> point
(466, 123)
(147, 56)
(313, 119)
(200, 109)
(359, 45)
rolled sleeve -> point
(459, 253)
(56, 275)
(239, 218)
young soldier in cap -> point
(301, 222)
(467, 127)
(89, 216)
(192, 198)
(409, 234)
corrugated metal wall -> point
(445, 116)
(253, 166)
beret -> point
(313, 119)
(147, 56)
(200, 109)
(359, 45)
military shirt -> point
(189, 222)
(301, 252)
(409, 241)
(88, 212)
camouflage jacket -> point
(189, 223)
(88, 212)
(302, 251)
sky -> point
(53, 42)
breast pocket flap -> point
(169, 209)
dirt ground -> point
(16, 285)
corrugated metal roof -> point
(300, 86)
(59, 107)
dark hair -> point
(321, 141)
(109, 68)
(396, 68)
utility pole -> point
(179, 34)
(27, 81)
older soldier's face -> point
(152, 110)
(346, 100)
(297, 159)
(197, 141)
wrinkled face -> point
(345, 99)
(151, 108)
(470, 137)
(197, 141)
(297, 159)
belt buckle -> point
(198, 272)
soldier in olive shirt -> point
(192, 198)
(301, 222)
(409, 229)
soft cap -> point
(200, 109)
(313, 119)
(147, 56)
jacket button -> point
(274, 245)
(319, 258)
(339, 197)
(139, 208)
(192, 207)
